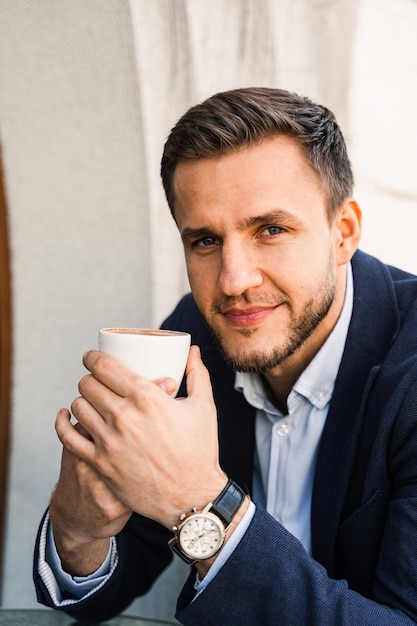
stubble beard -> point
(300, 328)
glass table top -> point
(35, 617)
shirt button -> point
(282, 429)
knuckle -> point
(102, 364)
(83, 384)
(76, 406)
(66, 440)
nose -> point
(239, 271)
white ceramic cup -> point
(150, 353)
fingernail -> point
(168, 385)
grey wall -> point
(79, 224)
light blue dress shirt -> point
(284, 463)
(286, 445)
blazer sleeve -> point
(270, 579)
(143, 554)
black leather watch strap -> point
(228, 502)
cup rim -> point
(143, 332)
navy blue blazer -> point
(364, 505)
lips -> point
(248, 316)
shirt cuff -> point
(63, 588)
(226, 551)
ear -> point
(347, 228)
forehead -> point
(273, 172)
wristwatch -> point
(200, 535)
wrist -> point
(200, 497)
(80, 554)
(203, 567)
(201, 533)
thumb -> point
(198, 378)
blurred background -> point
(89, 90)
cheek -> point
(299, 272)
(203, 278)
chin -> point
(254, 361)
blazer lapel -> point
(336, 455)
(374, 322)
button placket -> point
(282, 429)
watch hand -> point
(201, 535)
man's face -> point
(260, 252)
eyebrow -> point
(277, 215)
(195, 233)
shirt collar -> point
(317, 381)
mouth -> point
(248, 316)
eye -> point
(271, 231)
(205, 242)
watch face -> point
(201, 536)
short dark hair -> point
(240, 118)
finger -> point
(98, 395)
(92, 419)
(83, 431)
(99, 405)
(112, 374)
(71, 439)
(166, 384)
(114, 377)
(198, 378)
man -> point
(311, 352)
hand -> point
(84, 512)
(157, 455)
